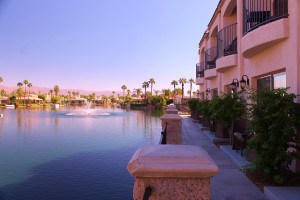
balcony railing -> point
(200, 70)
(227, 41)
(211, 56)
(260, 12)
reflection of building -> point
(255, 39)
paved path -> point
(230, 183)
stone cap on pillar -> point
(171, 111)
(172, 106)
(171, 117)
(172, 161)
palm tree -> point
(191, 81)
(20, 92)
(156, 92)
(1, 80)
(174, 83)
(25, 84)
(145, 85)
(138, 92)
(56, 89)
(128, 92)
(124, 87)
(19, 84)
(151, 81)
(29, 85)
(182, 81)
(113, 92)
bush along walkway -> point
(231, 183)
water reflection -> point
(48, 136)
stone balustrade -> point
(172, 172)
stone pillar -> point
(171, 110)
(172, 172)
(174, 124)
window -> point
(273, 81)
(215, 92)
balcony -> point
(200, 70)
(227, 41)
(199, 73)
(211, 56)
(257, 13)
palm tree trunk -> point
(190, 90)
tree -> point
(19, 84)
(145, 85)
(113, 92)
(1, 80)
(182, 81)
(151, 81)
(29, 85)
(51, 92)
(128, 92)
(156, 92)
(124, 87)
(25, 84)
(138, 92)
(191, 81)
(174, 83)
(56, 89)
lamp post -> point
(244, 82)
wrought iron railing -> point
(163, 138)
(147, 193)
(200, 70)
(259, 12)
(227, 41)
(211, 56)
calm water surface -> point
(71, 154)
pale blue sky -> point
(101, 44)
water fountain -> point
(88, 111)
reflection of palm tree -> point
(174, 83)
(124, 87)
(145, 85)
(191, 81)
(182, 81)
(151, 81)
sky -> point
(101, 44)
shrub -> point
(274, 117)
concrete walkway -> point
(230, 183)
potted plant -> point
(192, 104)
(224, 111)
(203, 111)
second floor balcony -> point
(200, 70)
(227, 41)
(211, 56)
(260, 12)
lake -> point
(71, 153)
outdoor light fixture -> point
(207, 91)
(244, 82)
(234, 85)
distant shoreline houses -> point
(250, 43)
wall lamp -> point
(207, 90)
(244, 82)
(234, 85)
